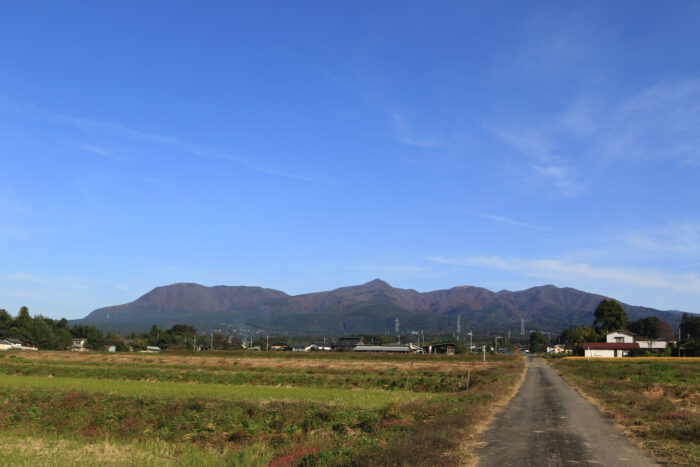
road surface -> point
(547, 423)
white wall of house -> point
(605, 353)
(620, 336)
(656, 344)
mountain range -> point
(367, 308)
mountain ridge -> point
(366, 308)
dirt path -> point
(547, 423)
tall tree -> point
(538, 343)
(649, 327)
(575, 337)
(610, 316)
(690, 327)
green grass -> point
(362, 398)
(657, 401)
(87, 409)
(422, 381)
(52, 450)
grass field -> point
(60, 408)
(656, 400)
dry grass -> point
(418, 363)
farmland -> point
(246, 409)
(655, 400)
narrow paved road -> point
(547, 423)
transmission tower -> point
(459, 326)
(522, 327)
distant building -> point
(609, 349)
(344, 344)
(321, 346)
(280, 347)
(79, 345)
(621, 344)
(393, 348)
(445, 348)
(558, 348)
(10, 344)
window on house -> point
(619, 339)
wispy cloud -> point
(542, 160)
(660, 122)
(557, 270)
(405, 136)
(681, 237)
(37, 113)
(502, 219)
(102, 151)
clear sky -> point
(305, 146)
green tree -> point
(610, 316)
(538, 343)
(95, 338)
(650, 327)
(40, 333)
(220, 342)
(235, 342)
(575, 337)
(62, 338)
(5, 322)
(690, 327)
(21, 324)
(183, 330)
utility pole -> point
(212, 341)
(459, 327)
(470, 341)
(267, 344)
(396, 330)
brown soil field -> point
(425, 362)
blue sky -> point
(305, 146)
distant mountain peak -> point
(378, 283)
(336, 311)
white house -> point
(9, 344)
(620, 336)
(558, 348)
(620, 344)
(608, 349)
(79, 345)
(626, 336)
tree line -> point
(51, 334)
